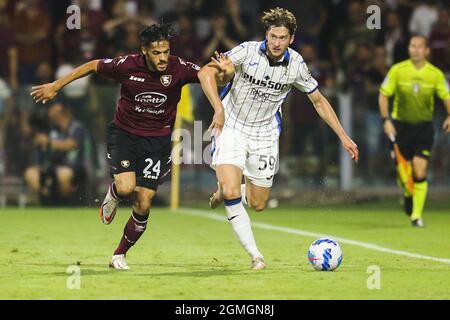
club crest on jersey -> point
(125, 163)
(166, 79)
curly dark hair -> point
(279, 17)
(156, 32)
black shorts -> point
(414, 139)
(148, 157)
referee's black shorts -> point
(148, 157)
(414, 139)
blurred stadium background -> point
(348, 59)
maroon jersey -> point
(148, 100)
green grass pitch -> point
(184, 256)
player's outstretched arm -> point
(327, 113)
(208, 76)
(48, 91)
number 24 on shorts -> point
(152, 170)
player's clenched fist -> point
(44, 92)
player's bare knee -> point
(230, 192)
(124, 188)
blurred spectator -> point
(61, 156)
(5, 94)
(423, 17)
(32, 26)
(94, 18)
(75, 94)
(180, 8)
(16, 143)
(356, 79)
(373, 127)
(186, 44)
(351, 35)
(238, 30)
(219, 40)
(230, 11)
(394, 38)
(120, 33)
(303, 131)
(44, 73)
(5, 98)
(440, 41)
(334, 10)
(403, 8)
(8, 48)
(311, 17)
(76, 44)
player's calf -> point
(257, 206)
(256, 196)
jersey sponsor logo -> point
(251, 64)
(151, 99)
(266, 82)
(137, 79)
(149, 110)
(107, 60)
(166, 79)
(259, 95)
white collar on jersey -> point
(283, 60)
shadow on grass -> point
(103, 269)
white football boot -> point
(118, 262)
(258, 264)
(108, 208)
(418, 223)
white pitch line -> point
(370, 246)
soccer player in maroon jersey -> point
(139, 137)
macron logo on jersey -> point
(122, 60)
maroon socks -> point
(134, 228)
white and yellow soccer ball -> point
(325, 254)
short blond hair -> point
(279, 17)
